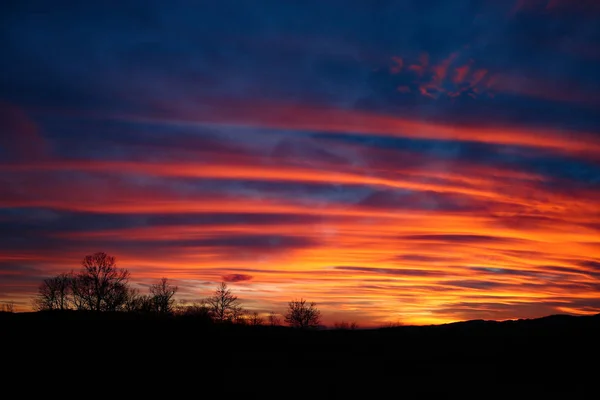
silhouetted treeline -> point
(100, 286)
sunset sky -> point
(421, 161)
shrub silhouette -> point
(343, 325)
(302, 315)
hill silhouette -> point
(541, 353)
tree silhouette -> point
(8, 307)
(343, 325)
(197, 309)
(224, 306)
(255, 319)
(274, 320)
(302, 315)
(392, 324)
(77, 288)
(162, 296)
(101, 286)
(239, 316)
(54, 293)
(139, 303)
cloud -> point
(237, 278)
(556, 6)
(594, 265)
(473, 284)
(391, 271)
(421, 258)
(458, 76)
(21, 138)
(479, 239)
(225, 243)
(547, 89)
(423, 200)
(259, 114)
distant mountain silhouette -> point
(551, 324)
(547, 324)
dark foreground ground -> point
(556, 354)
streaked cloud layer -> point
(423, 161)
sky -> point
(408, 161)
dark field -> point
(546, 355)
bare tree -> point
(302, 315)
(274, 320)
(162, 296)
(224, 306)
(101, 286)
(255, 319)
(54, 293)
